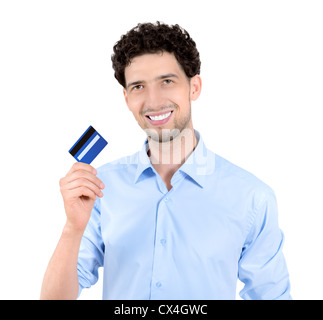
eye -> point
(167, 81)
(138, 87)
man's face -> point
(159, 95)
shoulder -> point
(244, 190)
(242, 180)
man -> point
(176, 221)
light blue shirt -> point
(218, 223)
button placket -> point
(160, 252)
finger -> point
(82, 182)
(83, 191)
(82, 166)
(85, 175)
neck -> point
(167, 157)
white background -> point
(260, 108)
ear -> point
(125, 96)
(196, 87)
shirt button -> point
(158, 284)
(166, 199)
(163, 241)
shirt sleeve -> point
(262, 267)
(91, 253)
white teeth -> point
(161, 117)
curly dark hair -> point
(154, 38)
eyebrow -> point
(135, 83)
(168, 75)
(164, 76)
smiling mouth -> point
(160, 117)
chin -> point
(162, 135)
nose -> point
(154, 99)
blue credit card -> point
(90, 144)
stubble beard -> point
(162, 135)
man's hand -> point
(79, 189)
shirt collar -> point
(200, 163)
(143, 163)
(197, 166)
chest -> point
(192, 223)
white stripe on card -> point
(90, 145)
